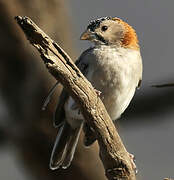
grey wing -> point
(59, 114)
(82, 65)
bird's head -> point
(111, 31)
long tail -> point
(64, 147)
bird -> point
(113, 65)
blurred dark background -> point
(26, 132)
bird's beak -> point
(87, 35)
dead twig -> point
(113, 154)
(163, 85)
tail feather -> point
(71, 146)
(64, 147)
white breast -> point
(114, 72)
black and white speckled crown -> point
(96, 23)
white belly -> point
(116, 80)
(119, 103)
(115, 106)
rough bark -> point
(113, 154)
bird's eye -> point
(104, 28)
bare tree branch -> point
(163, 85)
(113, 154)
